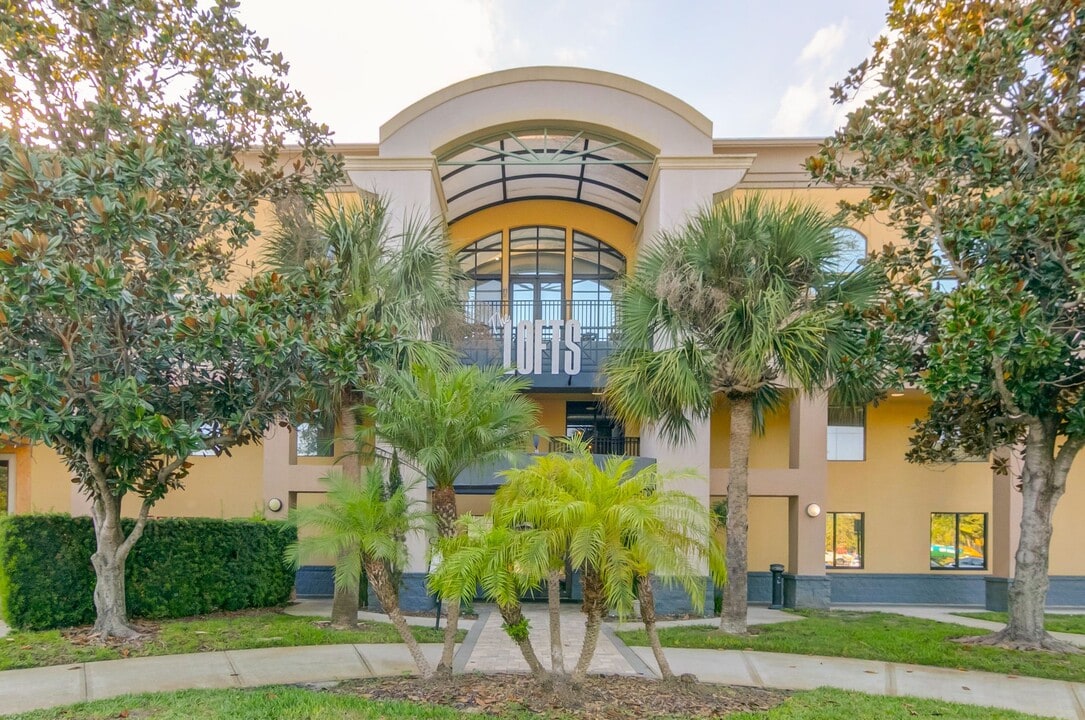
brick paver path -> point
(496, 652)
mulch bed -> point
(599, 698)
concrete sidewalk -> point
(1054, 698)
(22, 690)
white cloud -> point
(824, 45)
(361, 63)
(805, 107)
(799, 105)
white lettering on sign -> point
(525, 355)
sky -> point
(756, 68)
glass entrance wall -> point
(523, 275)
(551, 273)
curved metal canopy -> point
(539, 163)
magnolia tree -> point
(972, 143)
(123, 201)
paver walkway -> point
(493, 651)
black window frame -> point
(957, 543)
(860, 536)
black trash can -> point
(777, 571)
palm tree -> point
(670, 548)
(505, 562)
(363, 524)
(529, 499)
(742, 302)
(627, 527)
(407, 282)
(444, 420)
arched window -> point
(852, 249)
(550, 273)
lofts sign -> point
(530, 350)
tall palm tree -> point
(406, 281)
(363, 524)
(444, 420)
(742, 303)
(505, 562)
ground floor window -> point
(7, 497)
(844, 540)
(958, 541)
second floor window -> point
(542, 273)
(846, 433)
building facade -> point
(550, 181)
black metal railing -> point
(482, 339)
(628, 446)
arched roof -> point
(546, 132)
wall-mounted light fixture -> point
(813, 509)
(274, 504)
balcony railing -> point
(509, 335)
(628, 446)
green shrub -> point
(180, 567)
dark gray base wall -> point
(1065, 591)
(317, 581)
(673, 600)
(908, 589)
(314, 581)
(799, 591)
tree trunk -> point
(733, 615)
(513, 616)
(108, 560)
(553, 603)
(1043, 483)
(593, 606)
(444, 508)
(381, 582)
(648, 615)
(345, 602)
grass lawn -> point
(234, 631)
(298, 704)
(1053, 622)
(875, 636)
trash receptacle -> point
(777, 571)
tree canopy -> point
(970, 136)
(136, 141)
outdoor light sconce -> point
(813, 510)
(274, 504)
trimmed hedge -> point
(180, 567)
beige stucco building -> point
(550, 181)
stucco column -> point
(411, 186)
(805, 584)
(1004, 529)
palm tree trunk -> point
(513, 616)
(380, 581)
(593, 607)
(648, 615)
(553, 602)
(444, 508)
(733, 616)
(345, 602)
